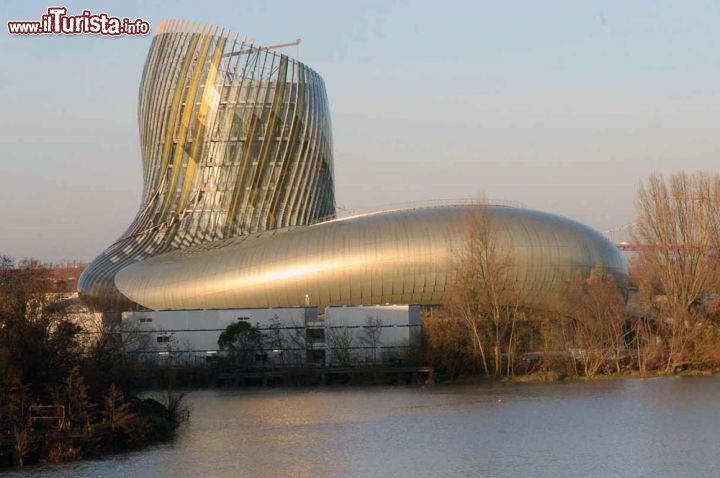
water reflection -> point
(655, 427)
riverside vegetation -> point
(665, 320)
(62, 395)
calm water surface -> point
(625, 428)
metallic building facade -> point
(238, 205)
(235, 139)
(397, 257)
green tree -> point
(241, 340)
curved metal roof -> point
(401, 256)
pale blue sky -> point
(564, 106)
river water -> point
(662, 427)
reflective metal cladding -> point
(400, 257)
(235, 139)
(238, 205)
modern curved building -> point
(235, 139)
(398, 257)
(238, 206)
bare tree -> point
(340, 339)
(131, 337)
(485, 293)
(117, 410)
(372, 330)
(645, 339)
(679, 229)
(554, 342)
(76, 401)
(447, 343)
(297, 342)
(21, 436)
(596, 308)
(277, 341)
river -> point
(661, 427)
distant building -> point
(59, 287)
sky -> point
(563, 106)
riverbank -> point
(51, 438)
(551, 377)
(192, 377)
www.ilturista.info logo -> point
(57, 22)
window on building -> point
(316, 335)
(163, 339)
